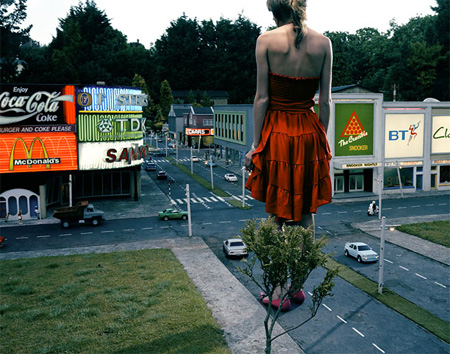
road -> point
(350, 320)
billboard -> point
(108, 155)
(110, 99)
(440, 140)
(32, 105)
(353, 129)
(36, 153)
(197, 132)
(404, 135)
(99, 127)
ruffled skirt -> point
(291, 165)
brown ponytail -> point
(290, 9)
(298, 18)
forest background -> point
(205, 55)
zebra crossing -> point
(208, 199)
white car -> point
(361, 251)
(230, 177)
(195, 159)
(234, 247)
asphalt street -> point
(350, 320)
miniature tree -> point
(286, 256)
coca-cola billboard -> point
(34, 105)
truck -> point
(81, 212)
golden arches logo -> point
(29, 152)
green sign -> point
(97, 127)
(353, 133)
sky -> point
(147, 20)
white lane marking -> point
(207, 223)
(200, 199)
(327, 307)
(440, 284)
(326, 213)
(387, 208)
(220, 198)
(184, 225)
(213, 199)
(357, 211)
(21, 238)
(249, 197)
(164, 227)
(43, 236)
(310, 294)
(236, 198)
(442, 204)
(362, 335)
(146, 228)
(387, 260)
(242, 220)
(421, 276)
(402, 207)
(342, 212)
(63, 235)
(173, 202)
(180, 201)
(106, 232)
(429, 204)
(86, 233)
(224, 222)
(193, 201)
(376, 346)
(341, 319)
(207, 199)
(416, 206)
(404, 268)
(128, 230)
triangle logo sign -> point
(353, 127)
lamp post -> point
(188, 194)
(243, 186)
(212, 174)
(381, 260)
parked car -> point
(2, 241)
(195, 159)
(361, 251)
(230, 177)
(150, 166)
(159, 153)
(234, 247)
(167, 214)
(161, 175)
(209, 163)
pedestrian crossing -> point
(205, 200)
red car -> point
(2, 241)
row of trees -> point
(207, 55)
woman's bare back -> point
(285, 59)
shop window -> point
(444, 175)
(2, 207)
(12, 206)
(23, 204)
(391, 177)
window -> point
(444, 175)
(208, 123)
(391, 177)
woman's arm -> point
(325, 87)
(262, 95)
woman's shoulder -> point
(317, 37)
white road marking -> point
(146, 228)
(342, 212)
(429, 204)
(376, 346)
(387, 208)
(86, 233)
(164, 227)
(224, 222)
(404, 268)
(442, 204)
(362, 335)
(207, 223)
(43, 236)
(310, 294)
(387, 260)
(207, 199)
(173, 202)
(440, 284)
(341, 319)
(327, 307)
(326, 213)
(357, 211)
(402, 207)
(242, 220)
(213, 199)
(421, 276)
(180, 201)
(63, 235)
(220, 198)
(128, 230)
(416, 206)
(21, 238)
(249, 197)
(106, 232)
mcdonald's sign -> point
(46, 152)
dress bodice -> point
(292, 93)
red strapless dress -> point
(292, 162)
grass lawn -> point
(436, 231)
(123, 302)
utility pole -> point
(192, 164)
(189, 209)
(243, 186)
(381, 260)
(212, 174)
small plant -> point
(287, 256)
